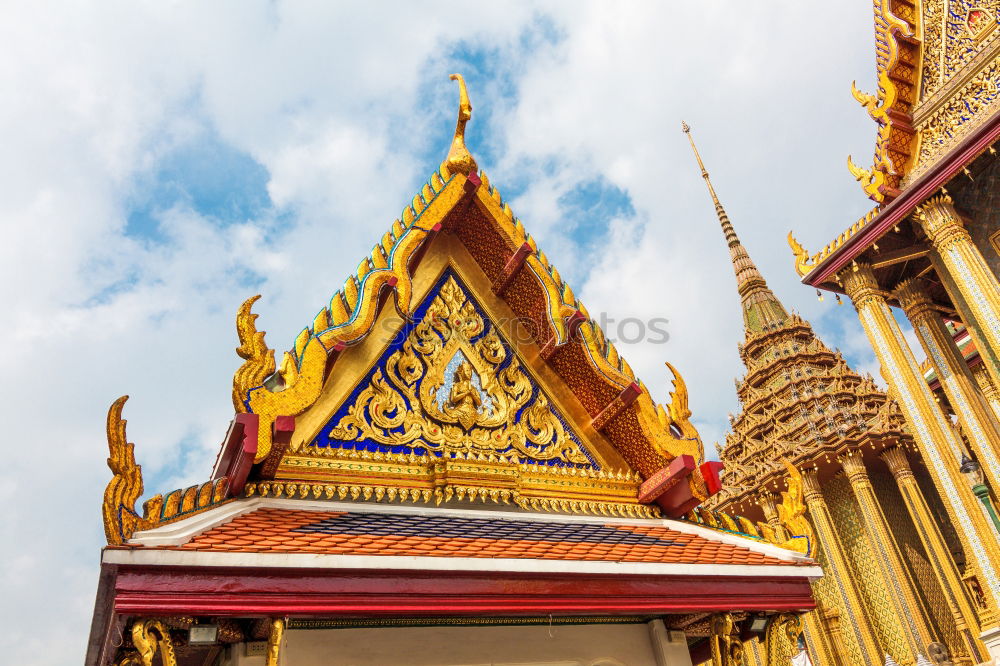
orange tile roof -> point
(270, 530)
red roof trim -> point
(304, 593)
(939, 174)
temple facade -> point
(451, 465)
(931, 248)
(893, 588)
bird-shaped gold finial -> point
(460, 160)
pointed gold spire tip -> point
(460, 160)
(753, 290)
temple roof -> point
(454, 365)
(428, 538)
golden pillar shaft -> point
(938, 554)
(754, 652)
(910, 611)
(974, 414)
(938, 443)
(840, 570)
(969, 272)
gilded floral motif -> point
(454, 385)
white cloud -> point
(340, 105)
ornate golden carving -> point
(491, 406)
(782, 638)
(120, 519)
(352, 312)
(889, 107)
(459, 159)
(792, 513)
(259, 359)
(274, 641)
(148, 636)
(727, 650)
(394, 477)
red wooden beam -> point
(665, 479)
(711, 471)
(472, 182)
(281, 436)
(624, 399)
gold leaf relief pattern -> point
(877, 605)
(452, 386)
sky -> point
(163, 161)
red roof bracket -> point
(281, 436)
(665, 479)
(711, 471)
(472, 182)
(238, 451)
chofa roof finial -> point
(460, 160)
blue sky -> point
(164, 162)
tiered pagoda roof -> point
(801, 403)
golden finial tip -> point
(685, 127)
(459, 159)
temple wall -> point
(878, 607)
(539, 645)
(913, 553)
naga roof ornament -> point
(120, 518)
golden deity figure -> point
(464, 401)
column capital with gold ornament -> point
(990, 391)
(967, 272)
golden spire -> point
(460, 160)
(761, 308)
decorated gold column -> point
(989, 389)
(838, 568)
(940, 558)
(822, 634)
(974, 414)
(970, 275)
(934, 436)
(910, 611)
